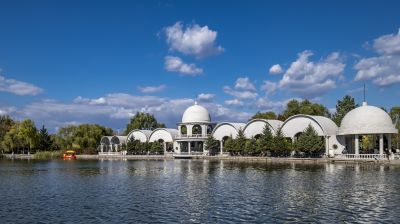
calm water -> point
(196, 191)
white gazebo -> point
(166, 136)
(367, 120)
(194, 129)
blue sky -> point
(71, 62)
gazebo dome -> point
(196, 113)
(366, 120)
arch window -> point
(196, 130)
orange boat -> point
(69, 154)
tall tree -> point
(342, 108)
(280, 145)
(294, 107)
(6, 123)
(265, 115)
(265, 140)
(44, 140)
(143, 121)
(395, 114)
(212, 145)
(240, 142)
(309, 141)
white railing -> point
(110, 153)
(362, 156)
(193, 136)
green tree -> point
(250, 147)
(309, 141)
(280, 144)
(143, 121)
(229, 145)
(395, 114)
(6, 123)
(44, 141)
(264, 143)
(342, 108)
(239, 142)
(156, 148)
(294, 107)
(212, 145)
(265, 115)
(27, 134)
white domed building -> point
(194, 129)
(365, 122)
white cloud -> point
(243, 83)
(234, 102)
(240, 94)
(194, 40)
(264, 103)
(275, 69)
(151, 89)
(7, 110)
(311, 78)
(384, 69)
(115, 109)
(388, 44)
(175, 64)
(18, 87)
(205, 97)
(269, 87)
(243, 89)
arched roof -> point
(367, 120)
(166, 134)
(227, 129)
(117, 139)
(105, 140)
(298, 123)
(196, 113)
(256, 126)
(141, 135)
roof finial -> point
(195, 102)
(364, 101)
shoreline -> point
(224, 158)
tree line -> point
(307, 143)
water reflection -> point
(197, 191)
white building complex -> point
(344, 141)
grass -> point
(48, 154)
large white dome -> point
(366, 120)
(196, 113)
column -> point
(356, 145)
(165, 147)
(111, 149)
(189, 147)
(389, 138)
(381, 144)
(221, 146)
(327, 145)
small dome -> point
(366, 120)
(196, 113)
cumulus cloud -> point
(18, 87)
(205, 97)
(115, 109)
(193, 40)
(4, 110)
(234, 102)
(151, 89)
(264, 103)
(243, 83)
(275, 69)
(310, 78)
(176, 64)
(384, 69)
(269, 87)
(243, 89)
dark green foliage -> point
(395, 114)
(342, 108)
(265, 115)
(250, 147)
(280, 144)
(309, 142)
(212, 145)
(264, 143)
(143, 121)
(44, 141)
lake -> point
(196, 191)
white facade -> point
(141, 135)
(196, 127)
(255, 127)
